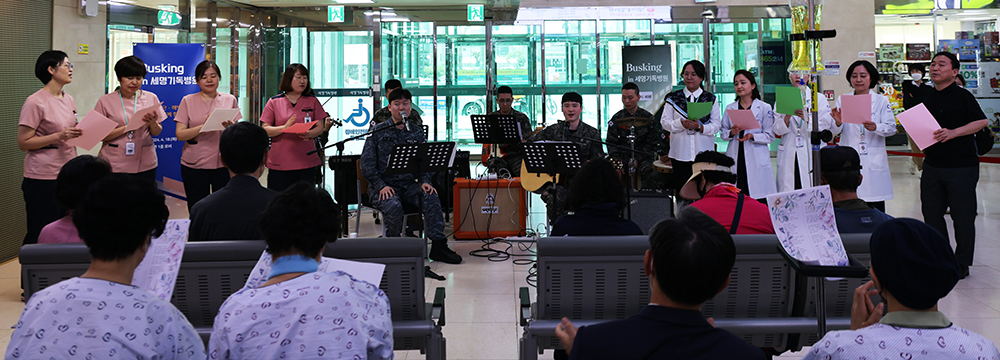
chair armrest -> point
(436, 311)
(525, 313)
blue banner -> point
(170, 75)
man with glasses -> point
(513, 153)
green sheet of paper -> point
(696, 111)
(788, 98)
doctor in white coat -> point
(754, 174)
(794, 151)
(869, 138)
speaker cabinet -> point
(489, 208)
(649, 207)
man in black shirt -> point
(951, 166)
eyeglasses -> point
(68, 65)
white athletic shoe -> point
(913, 168)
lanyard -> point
(135, 100)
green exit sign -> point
(168, 18)
(335, 14)
(476, 12)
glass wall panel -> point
(734, 47)
(462, 93)
(340, 68)
(616, 34)
(516, 50)
(408, 55)
(571, 65)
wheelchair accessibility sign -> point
(360, 116)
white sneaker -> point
(913, 168)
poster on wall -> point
(170, 75)
(890, 52)
(965, 49)
(918, 52)
(648, 67)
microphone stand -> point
(628, 191)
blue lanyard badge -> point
(292, 264)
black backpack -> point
(984, 140)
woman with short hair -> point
(48, 119)
(131, 152)
(300, 310)
(100, 313)
(74, 180)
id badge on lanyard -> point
(862, 145)
(800, 141)
(308, 117)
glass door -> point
(616, 34)
(571, 65)
(408, 55)
(516, 49)
(462, 61)
(734, 47)
(340, 64)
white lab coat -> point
(685, 143)
(788, 149)
(760, 174)
(876, 184)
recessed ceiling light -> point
(354, 1)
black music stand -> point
(421, 158)
(496, 129)
(553, 158)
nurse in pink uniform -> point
(48, 119)
(131, 152)
(201, 166)
(287, 163)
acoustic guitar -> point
(533, 181)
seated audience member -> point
(840, 167)
(329, 313)
(713, 182)
(597, 198)
(70, 319)
(688, 263)
(912, 267)
(232, 212)
(71, 185)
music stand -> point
(420, 158)
(495, 129)
(553, 158)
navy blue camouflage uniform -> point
(374, 160)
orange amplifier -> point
(486, 209)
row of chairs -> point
(596, 279)
(211, 271)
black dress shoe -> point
(443, 254)
(965, 272)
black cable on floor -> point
(499, 249)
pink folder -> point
(299, 128)
(743, 119)
(920, 125)
(94, 127)
(135, 122)
(856, 109)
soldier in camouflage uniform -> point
(513, 153)
(385, 113)
(572, 130)
(388, 193)
(648, 138)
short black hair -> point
(572, 96)
(693, 256)
(203, 66)
(505, 90)
(597, 182)
(951, 57)
(76, 176)
(872, 72)
(392, 84)
(130, 66)
(631, 86)
(243, 146)
(286, 78)
(401, 94)
(302, 218)
(48, 59)
(755, 94)
(915, 66)
(117, 214)
(844, 180)
(960, 78)
(697, 66)
(720, 159)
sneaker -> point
(913, 168)
(444, 254)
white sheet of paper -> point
(364, 271)
(135, 122)
(920, 125)
(806, 226)
(157, 273)
(218, 116)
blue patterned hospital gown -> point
(882, 341)
(314, 316)
(83, 318)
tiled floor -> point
(482, 294)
